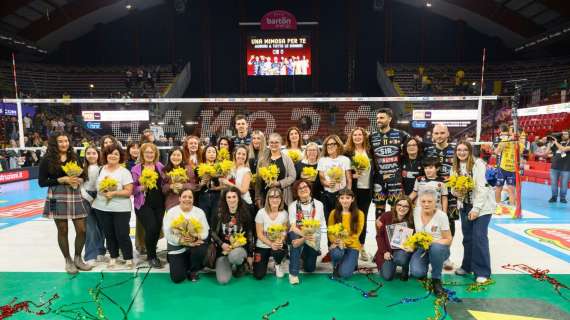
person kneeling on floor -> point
(233, 235)
(186, 231)
(271, 224)
(434, 222)
(344, 250)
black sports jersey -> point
(239, 141)
(387, 153)
(411, 169)
(444, 155)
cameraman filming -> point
(560, 168)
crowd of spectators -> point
(37, 129)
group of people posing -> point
(237, 212)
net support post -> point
(21, 142)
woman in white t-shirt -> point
(357, 144)
(241, 174)
(272, 214)
(185, 253)
(332, 157)
(95, 239)
(114, 207)
(306, 247)
(427, 218)
(477, 209)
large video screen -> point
(278, 56)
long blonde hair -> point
(262, 145)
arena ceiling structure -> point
(48, 23)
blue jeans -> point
(399, 258)
(435, 256)
(94, 237)
(476, 257)
(345, 259)
(555, 176)
(305, 252)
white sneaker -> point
(363, 255)
(92, 263)
(129, 264)
(279, 271)
(293, 279)
(102, 258)
(112, 265)
(481, 280)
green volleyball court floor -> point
(154, 296)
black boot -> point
(155, 263)
(405, 275)
(240, 270)
(336, 274)
(552, 200)
(437, 288)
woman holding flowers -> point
(356, 149)
(186, 231)
(294, 144)
(148, 198)
(95, 239)
(226, 143)
(271, 225)
(178, 175)
(113, 204)
(477, 208)
(334, 172)
(233, 234)
(388, 258)
(256, 148)
(305, 241)
(286, 174)
(241, 175)
(307, 168)
(209, 185)
(64, 200)
(347, 221)
(433, 223)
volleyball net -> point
(173, 119)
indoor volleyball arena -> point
(193, 159)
